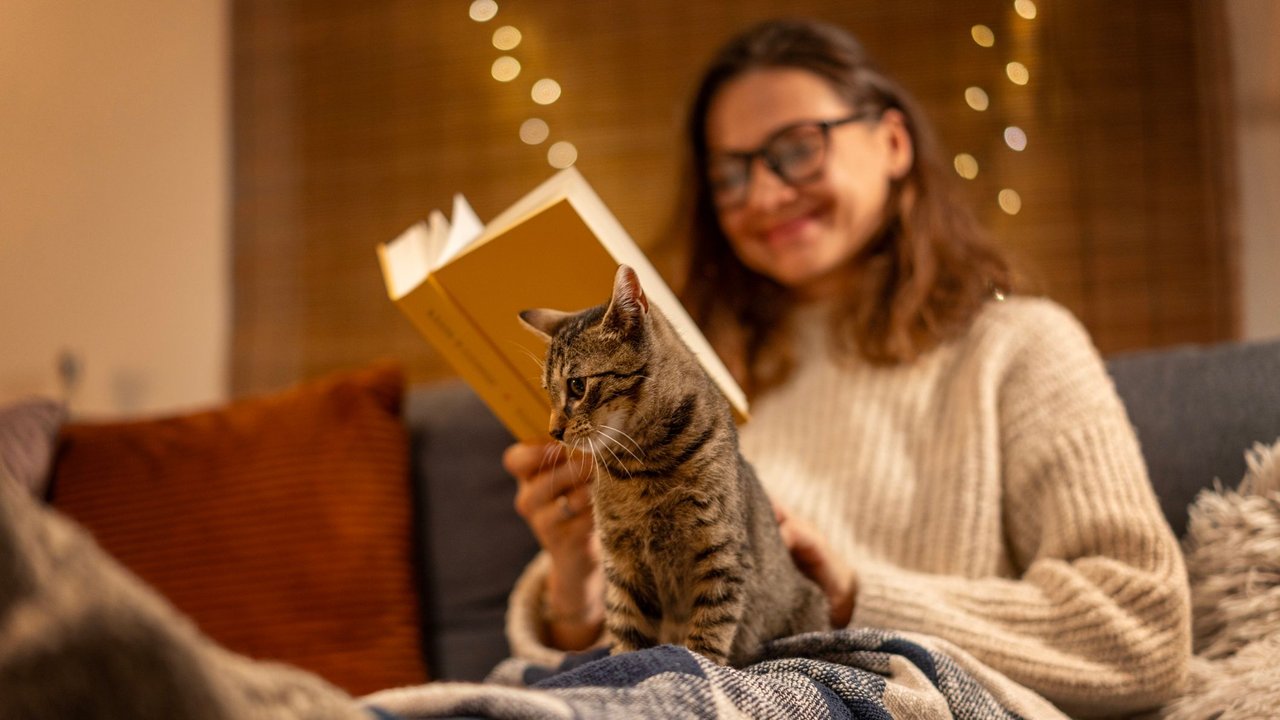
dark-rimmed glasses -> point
(796, 153)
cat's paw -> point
(627, 637)
(713, 654)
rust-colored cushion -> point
(279, 524)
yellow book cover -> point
(462, 284)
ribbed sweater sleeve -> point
(524, 625)
(1097, 616)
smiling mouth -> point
(788, 230)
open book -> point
(462, 284)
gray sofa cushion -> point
(1196, 410)
(474, 543)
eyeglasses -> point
(796, 153)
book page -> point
(437, 231)
(466, 228)
(406, 260)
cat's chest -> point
(654, 529)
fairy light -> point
(977, 98)
(505, 69)
(483, 10)
(562, 155)
(966, 166)
(1015, 138)
(507, 38)
(1017, 72)
(534, 131)
(1010, 201)
(546, 91)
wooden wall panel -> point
(353, 119)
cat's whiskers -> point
(577, 450)
(592, 453)
(615, 441)
(542, 365)
(550, 453)
(617, 460)
(578, 475)
(633, 441)
(626, 449)
(596, 462)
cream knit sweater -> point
(991, 494)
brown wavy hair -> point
(918, 282)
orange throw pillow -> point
(280, 524)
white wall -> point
(114, 240)
(1255, 29)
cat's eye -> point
(577, 388)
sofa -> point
(380, 514)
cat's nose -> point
(558, 433)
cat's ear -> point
(628, 306)
(543, 322)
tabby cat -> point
(692, 552)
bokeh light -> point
(505, 69)
(534, 131)
(1010, 201)
(562, 155)
(966, 166)
(506, 38)
(1025, 8)
(983, 35)
(1017, 73)
(483, 10)
(977, 98)
(1015, 138)
(546, 91)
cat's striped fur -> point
(692, 550)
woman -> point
(944, 460)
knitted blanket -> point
(846, 673)
(1233, 559)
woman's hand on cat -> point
(553, 497)
(811, 554)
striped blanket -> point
(861, 673)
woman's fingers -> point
(545, 487)
(553, 497)
(837, 579)
(563, 514)
(524, 460)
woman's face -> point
(802, 235)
